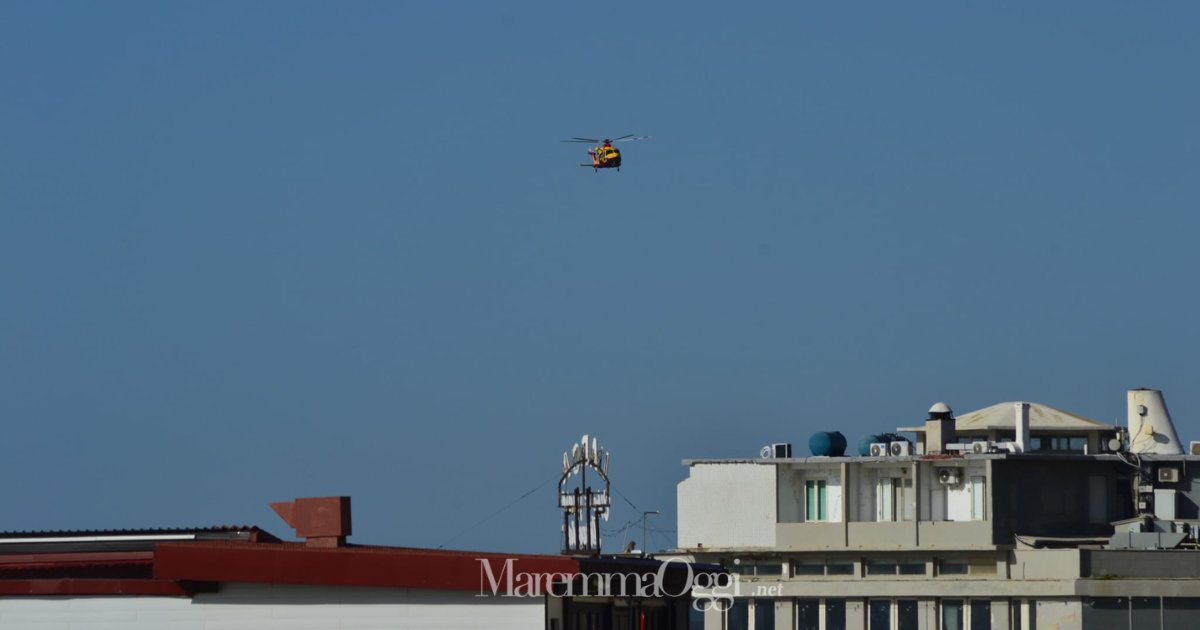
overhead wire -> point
(499, 511)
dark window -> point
(743, 567)
(949, 567)
(1106, 613)
(879, 614)
(808, 614)
(1180, 613)
(841, 569)
(696, 615)
(881, 568)
(768, 568)
(981, 614)
(835, 614)
(738, 615)
(764, 613)
(906, 614)
(912, 568)
(808, 569)
(1144, 612)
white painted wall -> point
(792, 500)
(727, 505)
(263, 607)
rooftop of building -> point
(1000, 417)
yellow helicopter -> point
(604, 154)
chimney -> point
(939, 429)
(1150, 426)
(1022, 425)
(320, 521)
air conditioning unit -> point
(779, 450)
(1194, 448)
(900, 448)
(949, 476)
(981, 447)
(1168, 475)
(879, 449)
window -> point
(1023, 614)
(952, 567)
(738, 615)
(978, 498)
(840, 568)
(809, 613)
(879, 614)
(952, 614)
(768, 568)
(1180, 612)
(764, 614)
(881, 567)
(891, 567)
(886, 614)
(800, 569)
(885, 499)
(906, 614)
(1058, 443)
(835, 614)
(981, 614)
(815, 500)
(958, 614)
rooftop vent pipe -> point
(939, 428)
(1022, 425)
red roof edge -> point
(161, 588)
(379, 567)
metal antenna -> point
(646, 548)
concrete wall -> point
(810, 536)
(1059, 615)
(1132, 563)
(727, 505)
(263, 607)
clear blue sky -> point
(253, 251)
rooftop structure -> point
(243, 577)
(1017, 515)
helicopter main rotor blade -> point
(590, 140)
(630, 138)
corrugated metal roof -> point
(148, 531)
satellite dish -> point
(767, 452)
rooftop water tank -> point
(828, 443)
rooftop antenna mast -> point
(583, 506)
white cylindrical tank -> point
(1150, 426)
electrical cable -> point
(497, 512)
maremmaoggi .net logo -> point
(708, 589)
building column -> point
(927, 615)
(856, 614)
(713, 619)
(1000, 613)
(783, 615)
